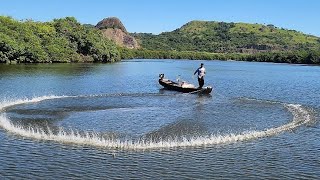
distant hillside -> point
(221, 37)
(113, 29)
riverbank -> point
(296, 57)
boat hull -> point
(170, 85)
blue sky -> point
(156, 16)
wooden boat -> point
(182, 86)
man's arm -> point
(196, 71)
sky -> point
(156, 16)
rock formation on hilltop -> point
(113, 29)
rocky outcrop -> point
(113, 29)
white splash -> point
(301, 116)
(8, 103)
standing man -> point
(201, 73)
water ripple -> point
(300, 117)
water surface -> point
(115, 121)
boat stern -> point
(206, 90)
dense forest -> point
(66, 40)
(62, 40)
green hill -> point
(221, 37)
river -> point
(114, 121)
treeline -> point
(62, 40)
(154, 54)
(296, 57)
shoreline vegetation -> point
(293, 57)
(66, 40)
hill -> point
(221, 37)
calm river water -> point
(89, 121)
